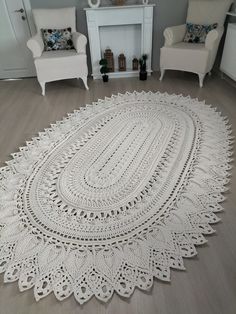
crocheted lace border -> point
(86, 271)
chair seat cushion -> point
(188, 46)
(57, 39)
(197, 33)
(58, 54)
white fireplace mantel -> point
(111, 16)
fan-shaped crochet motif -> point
(113, 195)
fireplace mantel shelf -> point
(112, 7)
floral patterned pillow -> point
(197, 33)
(57, 39)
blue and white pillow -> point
(197, 33)
(57, 39)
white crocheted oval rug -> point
(112, 196)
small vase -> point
(105, 78)
(94, 4)
(118, 2)
(143, 75)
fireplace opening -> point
(124, 39)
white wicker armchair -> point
(191, 57)
(63, 64)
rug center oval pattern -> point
(112, 196)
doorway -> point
(16, 27)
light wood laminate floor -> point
(208, 286)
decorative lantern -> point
(135, 64)
(108, 55)
(122, 62)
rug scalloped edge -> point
(143, 285)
